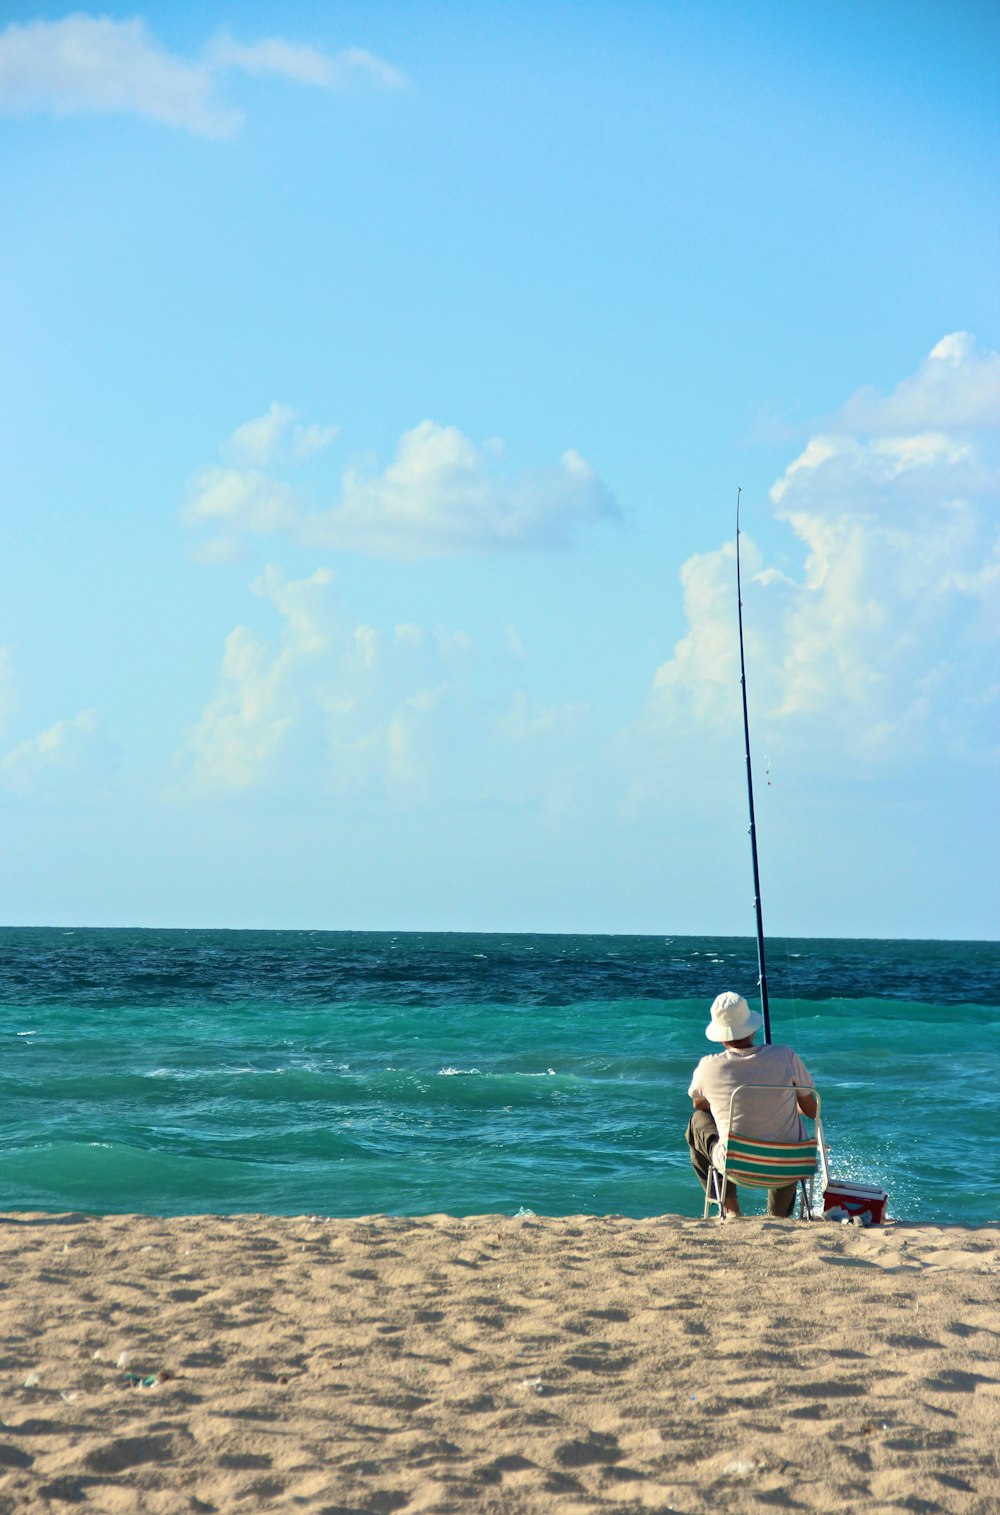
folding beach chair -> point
(752, 1163)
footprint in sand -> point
(130, 1452)
(956, 1381)
(598, 1447)
(13, 1457)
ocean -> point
(353, 1073)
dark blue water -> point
(353, 1073)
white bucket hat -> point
(732, 1019)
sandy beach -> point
(497, 1364)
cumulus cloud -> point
(274, 436)
(244, 500)
(956, 388)
(66, 759)
(84, 65)
(257, 441)
(243, 726)
(440, 496)
(334, 705)
(330, 706)
(398, 714)
(886, 636)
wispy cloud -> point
(527, 721)
(886, 638)
(440, 496)
(302, 65)
(85, 65)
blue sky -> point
(376, 385)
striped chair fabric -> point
(759, 1164)
(767, 1165)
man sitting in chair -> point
(769, 1114)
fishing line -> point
(762, 968)
(788, 956)
(791, 991)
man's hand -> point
(702, 1104)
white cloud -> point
(275, 435)
(886, 638)
(86, 65)
(702, 672)
(527, 721)
(330, 706)
(303, 65)
(243, 500)
(438, 497)
(514, 644)
(219, 549)
(307, 440)
(956, 388)
(242, 728)
(91, 64)
(257, 441)
(243, 725)
(398, 713)
(69, 758)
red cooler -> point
(844, 1194)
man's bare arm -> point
(701, 1104)
(807, 1104)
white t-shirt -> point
(770, 1114)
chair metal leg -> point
(805, 1198)
(713, 1193)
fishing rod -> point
(762, 968)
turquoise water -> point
(347, 1073)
